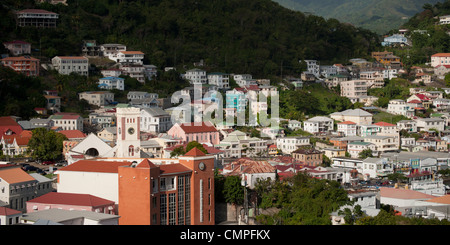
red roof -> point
(16, 42)
(146, 164)
(35, 11)
(415, 101)
(8, 123)
(441, 55)
(422, 97)
(195, 152)
(384, 124)
(197, 127)
(72, 134)
(95, 166)
(4, 211)
(403, 194)
(72, 199)
(347, 122)
(173, 169)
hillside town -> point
(131, 163)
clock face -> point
(201, 166)
(131, 130)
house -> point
(112, 72)
(17, 186)
(69, 217)
(395, 39)
(294, 125)
(423, 77)
(334, 152)
(36, 18)
(354, 148)
(53, 103)
(358, 116)
(202, 132)
(221, 80)
(196, 76)
(68, 64)
(409, 125)
(71, 201)
(15, 145)
(111, 50)
(236, 99)
(291, 143)
(421, 98)
(310, 157)
(103, 119)
(375, 79)
(73, 134)
(90, 49)
(426, 124)
(353, 89)
(335, 80)
(238, 144)
(313, 67)
(318, 124)
(390, 60)
(26, 65)
(441, 70)
(110, 83)
(130, 57)
(155, 120)
(17, 48)
(347, 128)
(9, 126)
(440, 59)
(98, 98)
(365, 130)
(388, 129)
(108, 134)
(150, 71)
(250, 171)
(67, 121)
(9, 216)
(383, 143)
(400, 107)
(376, 167)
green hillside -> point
(255, 36)
(376, 15)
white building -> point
(110, 83)
(130, 57)
(313, 67)
(155, 120)
(289, 144)
(376, 167)
(440, 59)
(425, 124)
(196, 76)
(68, 64)
(383, 143)
(318, 125)
(221, 80)
(347, 128)
(444, 20)
(357, 116)
(409, 125)
(400, 107)
(111, 50)
(67, 121)
(98, 98)
(354, 148)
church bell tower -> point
(128, 132)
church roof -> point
(195, 152)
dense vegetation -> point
(258, 37)
(375, 15)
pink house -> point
(202, 132)
(71, 201)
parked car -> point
(40, 171)
(48, 162)
(29, 168)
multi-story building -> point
(354, 148)
(17, 48)
(17, 186)
(68, 64)
(426, 124)
(25, 64)
(310, 157)
(155, 120)
(354, 89)
(67, 121)
(135, 71)
(110, 83)
(400, 107)
(375, 79)
(168, 194)
(318, 125)
(111, 50)
(313, 67)
(37, 18)
(236, 99)
(130, 57)
(358, 116)
(289, 144)
(221, 80)
(409, 125)
(196, 76)
(202, 132)
(238, 144)
(113, 72)
(383, 143)
(98, 98)
(440, 59)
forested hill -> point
(252, 36)
(379, 16)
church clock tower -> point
(128, 132)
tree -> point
(46, 144)
(233, 191)
(365, 154)
(197, 145)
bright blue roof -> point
(111, 78)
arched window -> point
(131, 150)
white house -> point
(130, 57)
(425, 124)
(400, 107)
(289, 144)
(221, 80)
(318, 124)
(347, 128)
(357, 116)
(196, 76)
(68, 64)
(409, 125)
(354, 148)
(155, 120)
(67, 121)
(440, 59)
(376, 167)
(110, 83)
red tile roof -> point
(347, 122)
(95, 166)
(72, 199)
(415, 101)
(146, 164)
(4, 211)
(422, 97)
(198, 127)
(9, 123)
(35, 11)
(443, 199)
(195, 152)
(403, 194)
(73, 134)
(167, 169)
(15, 175)
(384, 124)
(441, 55)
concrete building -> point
(354, 89)
(289, 144)
(318, 125)
(17, 48)
(98, 98)
(68, 64)
(110, 83)
(37, 18)
(26, 65)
